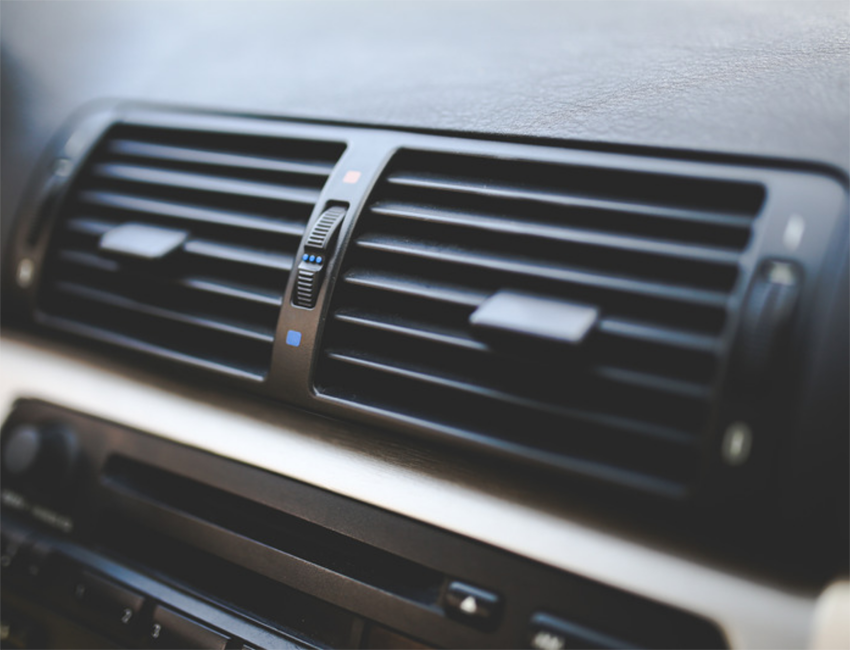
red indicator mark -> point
(351, 177)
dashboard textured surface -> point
(767, 79)
(723, 75)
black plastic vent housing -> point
(236, 206)
(656, 255)
(644, 319)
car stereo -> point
(116, 538)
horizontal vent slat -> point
(492, 191)
(89, 226)
(526, 228)
(209, 285)
(229, 253)
(190, 213)
(212, 286)
(430, 335)
(409, 286)
(90, 260)
(648, 381)
(191, 181)
(666, 434)
(138, 345)
(659, 335)
(213, 158)
(129, 304)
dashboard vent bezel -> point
(798, 191)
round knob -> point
(40, 455)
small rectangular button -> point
(40, 562)
(17, 631)
(547, 632)
(14, 544)
(547, 639)
(473, 605)
(172, 630)
(114, 602)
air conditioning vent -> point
(211, 224)
(656, 256)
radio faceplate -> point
(146, 542)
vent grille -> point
(656, 254)
(214, 302)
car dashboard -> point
(425, 325)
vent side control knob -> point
(766, 320)
(311, 267)
(40, 457)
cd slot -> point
(234, 587)
(299, 553)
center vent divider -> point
(238, 205)
(654, 256)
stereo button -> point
(17, 631)
(172, 630)
(548, 632)
(13, 549)
(116, 603)
(40, 562)
(472, 605)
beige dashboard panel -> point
(832, 618)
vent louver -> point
(656, 255)
(236, 204)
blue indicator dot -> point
(312, 258)
(318, 260)
(293, 338)
(306, 257)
